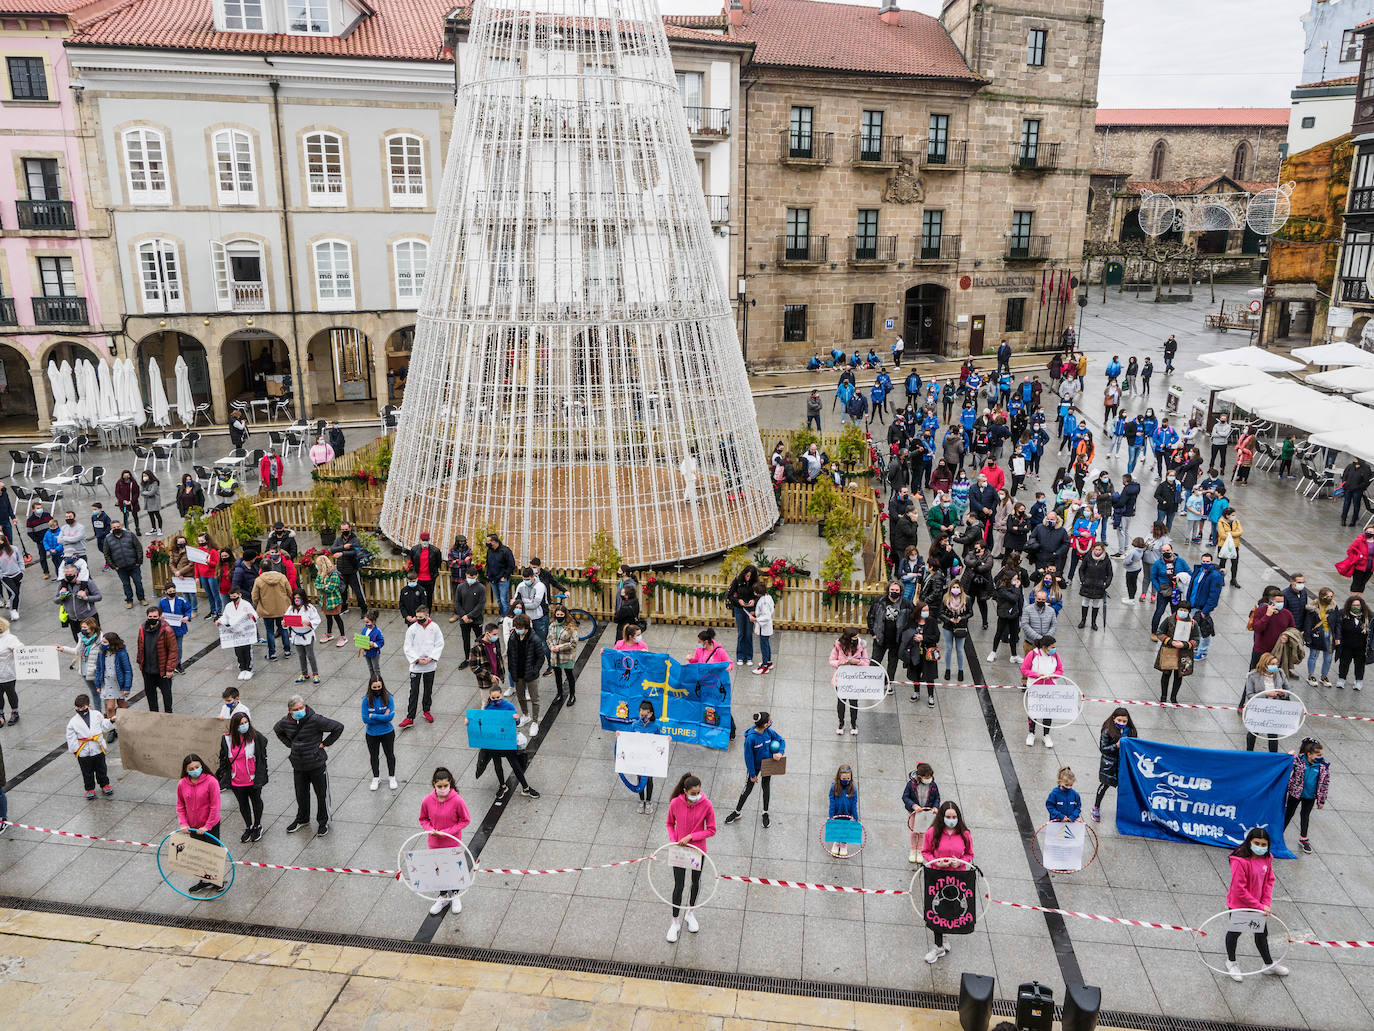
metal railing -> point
(1027, 248)
(1040, 156)
(326, 184)
(707, 121)
(877, 150)
(807, 146)
(247, 296)
(45, 214)
(936, 248)
(1361, 199)
(1354, 290)
(872, 248)
(718, 204)
(59, 311)
(944, 153)
(7, 314)
(802, 250)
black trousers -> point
(1007, 630)
(679, 882)
(646, 793)
(466, 629)
(244, 654)
(518, 764)
(416, 680)
(352, 582)
(1261, 946)
(749, 789)
(560, 675)
(152, 684)
(1218, 452)
(1250, 740)
(382, 743)
(93, 771)
(250, 805)
(1164, 693)
(1291, 805)
(8, 690)
(841, 705)
(306, 780)
(883, 648)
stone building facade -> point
(1179, 143)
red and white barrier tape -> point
(86, 837)
(570, 869)
(773, 882)
(317, 869)
(1099, 917)
(1336, 944)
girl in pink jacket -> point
(198, 806)
(947, 843)
(691, 820)
(709, 650)
(444, 810)
(847, 651)
(1042, 663)
(1252, 887)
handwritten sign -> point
(197, 555)
(1247, 921)
(641, 754)
(432, 870)
(685, 857)
(155, 742)
(173, 619)
(184, 584)
(36, 662)
(203, 860)
(1278, 716)
(860, 683)
(1061, 847)
(238, 635)
(1057, 700)
(362, 641)
(491, 728)
(843, 831)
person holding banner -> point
(1042, 664)
(647, 724)
(238, 617)
(948, 842)
(691, 821)
(921, 793)
(848, 650)
(1252, 887)
(843, 801)
(177, 614)
(9, 676)
(181, 567)
(1116, 726)
(300, 622)
(1307, 786)
(1268, 680)
(761, 743)
(243, 770)
(86, 740)
(198, 807)
(445, 815)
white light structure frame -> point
(575, 365)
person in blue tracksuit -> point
(647, 724)
(843, 801)
(1064, 803)
(760, 742)
(1204, 594)
(1162, 442)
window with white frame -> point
(240, 283)
(145, 158)
(236, 180)
(308, 16)
(159, 271)
(243, 15)
(324, 170)
(334, 274)
(411, 259)
(405, 161)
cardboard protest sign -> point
(156, 742)
(203, 860)
(238, 635)
(36, 662)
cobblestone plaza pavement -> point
(973, 738)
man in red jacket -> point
(271, 470)
(1269, 620)
(156, 658)
(1358, 561)
(427, 561)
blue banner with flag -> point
(691, 700)
(1207, 795)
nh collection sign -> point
(1006, 284)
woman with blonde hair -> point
(330, 588)
(954, 614)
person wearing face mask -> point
(236, 614)
(761, 742)
(181, 567)
(198, 807)
(842, 801)
(561, 645)
(100, 526)
(954, 620)
(207, 573)
(156, 658)
(1094, 580)
(519, 761)
(469, 604)
(445, 815)
(124, 551)
(1352, 643)
(1268, 680)
(306, 734)
(459, 562)
(423, 646)
(176, 612)
(126, 494)
(271, 595)
(1320, 623)
(923, 794)
(303, 618)
(150, 495)
(1116, 726)
(1307, 786)
(412, 598)
(691, 821)
(1170, 578)
(532, 594)
(1041, 664)
(1357, 564)
(848, 650)
(646, 724)
(1038, 621)
(948, 843)
(1178, 636)
(1167, 498)
(1010, 606)
(86, 740)
(525, 663)
(920, 652)
(1252, 887)
(425, 563)
(888, 618)
(1203, 595)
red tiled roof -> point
(1344, 80)
(1192, 116)
(403, 30)
(846, 37)
(62, 7)
(1365, 24)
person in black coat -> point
(189, 495)
(1048, 544)
(920, 651)
(306, 734)
(500, 566)
(344, 551)
(1008, 595)
(281, 537)
(427, 561)
(241, 746)
(469, 604)
(627, 612)
(412, 598)
(887, 618)
(335, 436)
(1017, 530)
(903, 518)
(1094, 579)
(977, 578)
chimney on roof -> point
(888, 13)
(736, 13)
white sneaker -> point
(1030, 739)
(1276, 970)
(375, 782)
(854, 731)
(673, 929)
(438, 907)
(911, 856)
(522, 720)
(534, 729)
(508, 692)
(694, 927)
(248, 674)
(992, 657)
(1233, 968)
(935, 954)
(844, 851)
(391, 783)
(14, 613)
(455, 905)
(1359, 685)
(839, 730)
(1047, 741)
(1014, 661)
(1128, 600)
(738, 662)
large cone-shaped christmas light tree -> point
(575, 366)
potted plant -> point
(246, 524)
(822, 502)
(325, 513)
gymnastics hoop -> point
(401, 864)
(706, 861)
(636, 788)
(1292, 695)
(911, 818)
(1035, 848)
(831, 851)
(1055, 682)
(229, 882)
(1201, 932)
(887, 686)
(917, 896)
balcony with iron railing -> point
(1360, 200)
(7, 313)
(1356, 290)
(806, 149)
(45, 214)
(802, 250)
(877, 152)
(707, 121)
(59, 311)
(936, 248)
(1039, 157)
(944, 154)
(718, 205)
(872, 250)
(247, 296)
(1027, 248)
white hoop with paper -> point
(860, 684)
(436, 873)
(1057, 699)
(1065, 847)
(688, 857)
(1246, 921)
(916, 896)
(1279, 717)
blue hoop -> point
(636, 787)
(186, 895)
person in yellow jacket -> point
(1229, 533)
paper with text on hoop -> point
(645, 755)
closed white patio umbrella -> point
(186, 405)
(157, 395)
(69, 394)
(109, 404)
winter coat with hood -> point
(307, 738)
(271, 594)
(1094, 577)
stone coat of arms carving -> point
(905, 186)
